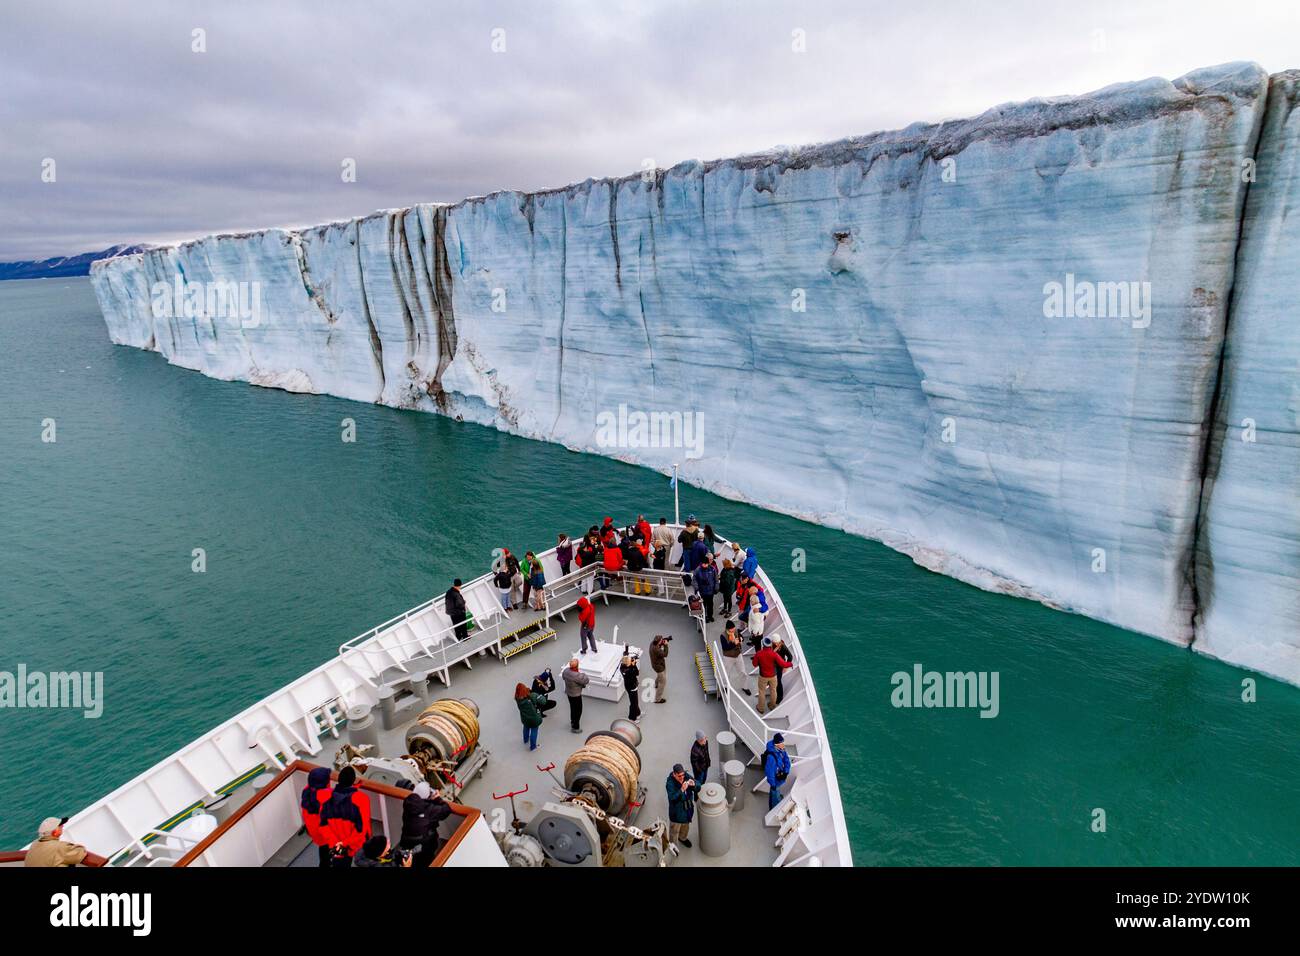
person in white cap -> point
(422, 811)
(49, 850)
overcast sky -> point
(154, 142)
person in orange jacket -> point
(587, 624)
(314, 796)
(613, 560)
(345, 818)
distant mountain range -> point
(63, 265)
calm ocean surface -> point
(310, 541)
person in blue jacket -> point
(750, 567)
(681, 804)
(699, 550)
(776, 767)
(706, 585)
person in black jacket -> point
(377, 852)
(700, 759)
(454, 605)
(632, 681)
(778, 645)
(422, 811)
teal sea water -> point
(310, 541)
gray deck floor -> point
(668, 730)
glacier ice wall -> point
(1248, 562)
(862, 327)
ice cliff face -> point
(1248, 562)
(994, 344)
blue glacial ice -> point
(868, 332)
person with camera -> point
(776, 767)
(632, 681)
(543, 685)
(377, 851)
(681, 804)
(422, 811)
(659, 664)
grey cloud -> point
(155, 143)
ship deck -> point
(668, 729)
(380, 682)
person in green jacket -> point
(530, 713)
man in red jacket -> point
(768, 662)
(314, 797)
(586, 624)
(345, 818)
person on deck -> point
(378, 852)
(750, 567)
(768, 662)
(564, 554)
(785, 654)
(586, 625)
(662, 536)
(706, 586)
(589, 553)
(634, 554)
(345, 818)
(756, 622)
(659, 664)
(454, 605)
(502, 580)
(700, 759)
(314, 796)
(632, 684)
(681, 804)
(727, 579)
(574, 682)
(51, 851)
(530, 713)
(537, 581)
(776, 768)
(613, 564)
(732, 649)
(526, 570)
(543, 686)
(422, 811)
